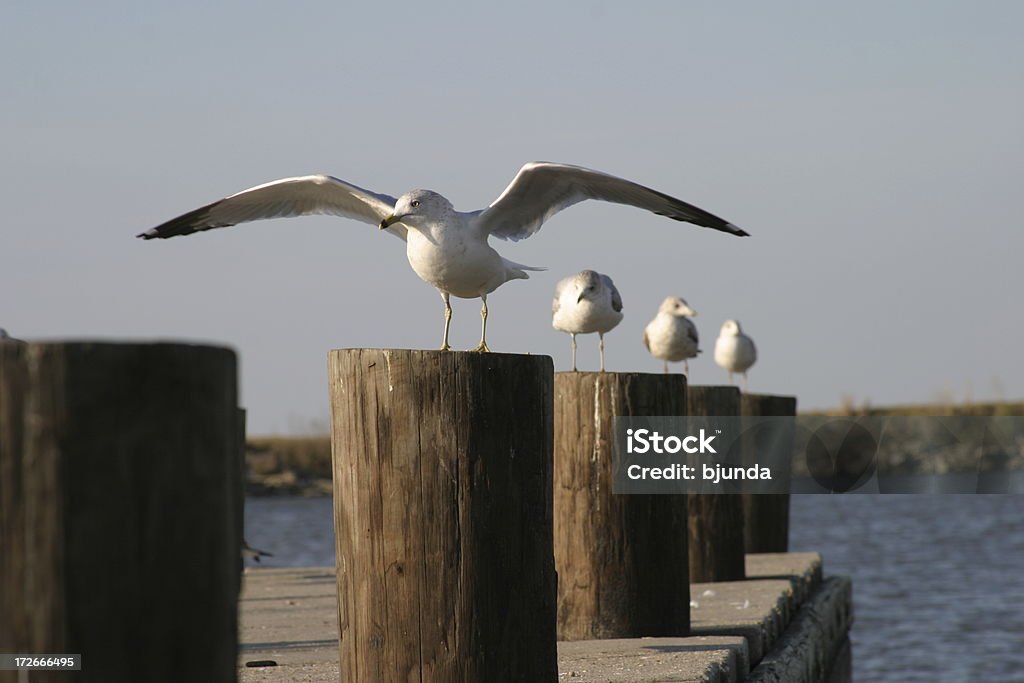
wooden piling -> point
(766, 516)
(442, 500)
(120, 509)
(715, 519)
(241, 420)
(621, 559)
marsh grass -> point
(288, 464)
(302, 464)
(945, 407)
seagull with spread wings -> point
(446, 248)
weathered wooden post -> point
(442, 500)
(766, 516)
(716, 519)
(120, 509)
(240, 431)
(621, 559)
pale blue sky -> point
(874, 150)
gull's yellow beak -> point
(386, 223)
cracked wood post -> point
(621, 559)
(716, 519)
(442, 504)
(766, 516)
(120, 509)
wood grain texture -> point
(442, 494)
(241, 423)
(121, 506)
(766, 516)
(715, 520)
(621, 560)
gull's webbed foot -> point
(481, 348)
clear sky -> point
(874, 150)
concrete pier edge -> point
(784, 623)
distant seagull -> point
(254, 554)
(446, 248)
(584, 303)
(735, 351)
(672, 336)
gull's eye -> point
(414, 203)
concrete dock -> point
(786, 622)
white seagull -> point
(672, 336)
(735, 351)
(446, 248)
(585, 303)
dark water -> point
(938, 580)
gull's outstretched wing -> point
(254, 554)
(302, 196)
(4, 337)
(542, 189)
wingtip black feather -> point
(185, 224)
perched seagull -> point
(254, 554)
(446, 248)
(735, 351)
(672, 336)
(584, 303)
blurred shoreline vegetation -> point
(288, 465)
(948, 407)
(301, 465)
